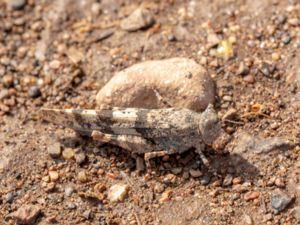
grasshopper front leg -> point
(199, 151)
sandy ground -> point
(257, 75)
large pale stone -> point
(176, 82)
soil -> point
(59, 53)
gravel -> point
(80, 157)
(69, 190)
(17, 4)
(9, 197)
(280, 200)
(195, 173)
(227, 180)
(35, 45)
(27, 214)
(34, 92)
(118, 192)
(54, 150)
(71, 205)
(140, 18)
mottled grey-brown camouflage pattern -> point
(154, 132)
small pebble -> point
(212, 40)
(268, 217)
(169, 179)
(80, 157)
(138, 19)
(237, 180)
(214, 193)
(227, 98)
(185, 175)
(82, 177)
(53, 176)
(205, 180)
(118, 192)
(265, 69)
(4, 93)
(68, 153)
(71, 205)
(34, 92)
(27, 214)
(248, 220)
(99, 187)
(69, 191)
(195, 173)
(166, 196)
(159, 188)
(55, 64)
(100, 171)
(249, 79)
(216, 183)
(279, 182)
(280, 200)
(172, 37)
(54, 150)
(50, 187)
(96, 8)
(243, 69)
(176, 170)
(275, 56)
(235, 196)
(227, 180)
(9, 197)
(8, 81)
(251, 195)
(87, 214)
(17, 4)
(286, 39)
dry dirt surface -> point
(59, 53)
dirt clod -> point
(140, 18)
(27, 214)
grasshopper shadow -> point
(221, 164)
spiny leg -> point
(199, 151)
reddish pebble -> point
(251, 195)
(237, 180)
(279, 182)
(111, 175)
(249, 78)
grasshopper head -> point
(209, 125)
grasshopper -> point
(152, 132)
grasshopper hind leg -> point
(134, 144)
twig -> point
(256, 114)
(235, 122)
(137, 218)
(126, 178)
